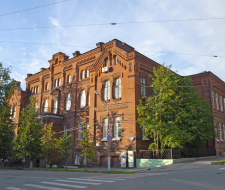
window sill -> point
(104, 139)
(117, 99)
(116, 139)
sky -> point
(203, 38)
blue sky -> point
(190, 37)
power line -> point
(113, 24)
(34, 43)
(33, 8)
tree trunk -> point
(3, 163)
(86, 165)
(31, 164)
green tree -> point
(7, 86)
(49, 146)
(87, 147)
(64, 145)
(175, 116)
(28, 141)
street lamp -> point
(108, 146)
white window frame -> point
(37, 89)
(221, 103)
(14, 112)
(68, 101)
(46, 86)
(118, 88)
(46, 105)
(88, 73)
(82, 99)
(143, 86)
(59, 81)
(80, 131)
(216, 133)
(55, 105)
(69, 79)
(36, 106)
(89, 97)
(56, 83)
(11, 112)
(117, 128)
(107, 89)
(115, 60)
(220, 132)
(83, 74)
(66, 127)
(104, 129)
(217, 102)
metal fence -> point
(176, 153)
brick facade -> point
(65, 96)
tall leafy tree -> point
(87, 147)
(28, 141)
(7, 86)
(64, 145)
(175, 116)
(49, 144)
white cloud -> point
(54, 21)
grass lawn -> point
(219, 162)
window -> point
(33, 90)
(46, 86)
(59, 82)
(82, 99)
(118, 88)
(68, 102)
(213, 100)
(105, 127)
(117, 127)
(143, 86)
(115, 60)
(81, 130)
(217, 103)
(36, 106)
(87, 73)
(11, 112)
(144, 136)
(82, 74)
(224, 132)
(56, 61)
(111, 61)
(224, 103)
(37, 89)
(14, 112)
(221, 103)
(69, 79)
(89, 97)
(56, 83)
(220, 132)
(46, 105)
(216, 133)
(66, 127)
(106, 62)
(55, 108)
(106, 89)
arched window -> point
(118, 85)
(68, 102)
(59, 81)
(46, 86)
(55, 105)
(56, 83)
(106, 87)
(46, 105)
(143, 86)
(69, 79)
(115, 60)
(82, 99)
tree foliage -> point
(176, 116)
(49, 144)
(87, 147)
(64, 145)
(28, 141)
(7, 86)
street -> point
(191, 175)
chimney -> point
(99, 44)
(76, 53)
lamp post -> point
(108, 146)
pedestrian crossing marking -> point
(82, 182)
(44, 187)
(63, 184)
(92, 180)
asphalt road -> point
(196, 175)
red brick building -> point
(65, 96)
